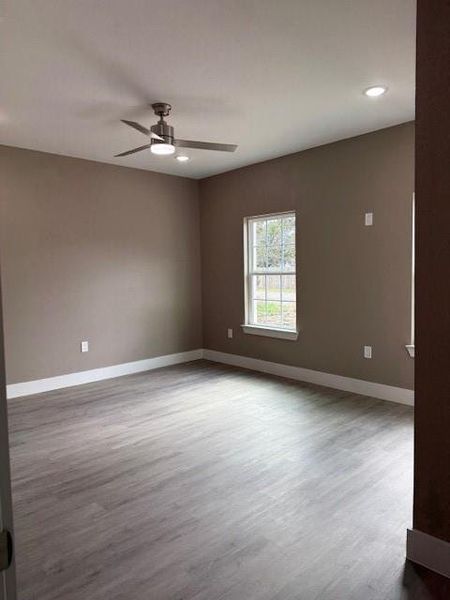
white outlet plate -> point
(367, 351)
(230, 334)
(84, 346)
(368, 219)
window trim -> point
(282, 334)
(247, 326)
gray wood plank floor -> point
(204, 482)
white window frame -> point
(249, 327)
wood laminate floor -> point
(204, 482)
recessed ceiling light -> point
(182, 158)
(375, 90)
(161, 148)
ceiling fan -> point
(162, 140)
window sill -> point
(282, 334)
(410, 348)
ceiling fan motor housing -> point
(163, 130)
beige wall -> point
(112, 255)
(95, 252)
(353, 281)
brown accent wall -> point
(354, 281)
(95, 252)
(432, 408)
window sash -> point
(252, 271)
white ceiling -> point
(274, 76)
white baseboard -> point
(357, 386)
(14, 390)
(348, 384)
(428, 551)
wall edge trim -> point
(37, 386)
(339, 382)
(429, 551)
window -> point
(271, 298)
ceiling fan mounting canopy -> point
(162, 136)
(161, 109)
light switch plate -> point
(368, 219)
(367, 351)
(230, 334)
(84, 346)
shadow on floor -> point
(420, 583)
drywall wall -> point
(111, 255)
(99, 253)
(432, 410)
(354, 282)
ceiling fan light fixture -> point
(162, 149)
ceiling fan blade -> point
(205, 145)
(134, 150)
(142, 129)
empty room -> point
(225, 292)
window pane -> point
(259, 287)
(273, 313)
(273, 287)
(274, 258)
(289, 257)
(259, 312)
(273, 232)
(288, 288)
(289, 230)
(260, 257)
(289, 315)
(259, 233)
